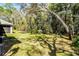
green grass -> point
(28, 45)
(33, 44)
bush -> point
(76, 41)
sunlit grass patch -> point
(34, 44)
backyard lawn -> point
(26, 44)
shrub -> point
(76, 41)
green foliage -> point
(8, 12)
(7, 9)
(35, 19)
(1, 8)
(76, 41)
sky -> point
(17, 6)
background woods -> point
(42, 18)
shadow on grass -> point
(8, 43)
(64, 37)
(15, 50)
(52, 47)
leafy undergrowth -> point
(37, 45)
